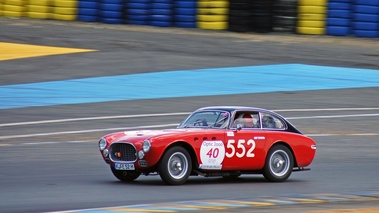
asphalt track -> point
(49, 158)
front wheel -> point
(125, 175)
(279, 164)
(175, 166)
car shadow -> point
(156, 181)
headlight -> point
(146, 145)
(102, 144)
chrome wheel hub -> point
(177, 165)
(279, 163)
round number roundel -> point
(212, 153)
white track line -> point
(171, 125)
(86, 131)
(93, 118)
(168, 114)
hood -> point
(144, 134)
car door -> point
(244, 149)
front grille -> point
(122, 152)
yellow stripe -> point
(252, 203)
(204, 207)
(15, 51)
(307, 200)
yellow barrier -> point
(311, 17)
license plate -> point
(124, 166)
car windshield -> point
(209, 119)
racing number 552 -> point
(239, 149)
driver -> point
(223, 120)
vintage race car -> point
(221, 141)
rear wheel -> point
(175, 166)
(125, 175)
(279, 164)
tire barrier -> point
(262, 16)
(338, 21)
(64, 10)
(138, 12)
(358, 18)
(88, 10)
(111, 11)
(311, 17)
(284, 16)
(161, 13)
(240, 16)
(185, 12)
(366, 18)
(39, 9)
(13, 8)
(212, 14)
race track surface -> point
(65, 84)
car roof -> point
(241, 108)
(231, 109)
(235, 108)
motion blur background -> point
(62, 62)
(358, 18)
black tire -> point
(279, 164)
(125, 175)
(175, 166)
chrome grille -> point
(122, 152)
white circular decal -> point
(212, 153)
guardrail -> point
(359, 18)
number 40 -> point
(213, 153)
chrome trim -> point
(121, 161)
(105, 144)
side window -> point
(272, 122)
(247, 120)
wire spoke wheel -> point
(279, 164)
(175, 166)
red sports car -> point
(213, 141)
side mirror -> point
(239, 127)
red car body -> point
(212, 141)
